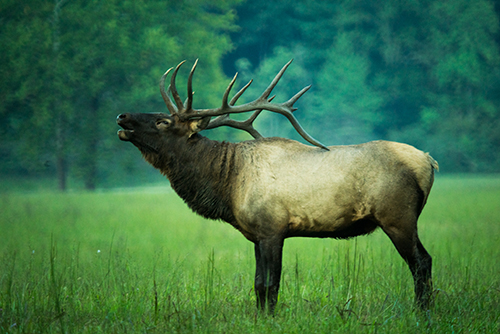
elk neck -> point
(201, 172)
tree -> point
(90, 61)
(347, 102)
(419, 71)
(459, 110)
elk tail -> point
(434, 167)
(434, 163)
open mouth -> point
(125, 133)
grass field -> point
(139, 261)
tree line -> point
(417, 71)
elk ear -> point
(197, 125)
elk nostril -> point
(121, 116)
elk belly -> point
(350, 223)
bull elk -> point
(271, 189)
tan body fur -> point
(299, 190)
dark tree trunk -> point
(91, 165)
(61, 163)
(61, 174)
(91, 146)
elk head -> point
(150, 131)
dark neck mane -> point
(200, 171)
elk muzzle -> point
(127, 131)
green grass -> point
(140, 261)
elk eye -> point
(163, 123)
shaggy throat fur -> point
(202, 177)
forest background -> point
(417, 71)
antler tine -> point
(303, 132)
(297, 96)
(173, 89)
(189, 102)
(228, 90)
(275, 81)
(286, 109)
(171, 107)
(240, 92)
(246, 125)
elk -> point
(271, 189)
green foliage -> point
(420, 71)
(72, 66)
(295, 78)
(345, 98)
(423, 72)
(140, 261)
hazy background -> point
(418, 71)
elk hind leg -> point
(268, 256)
(418, 259)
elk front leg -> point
(268, 256)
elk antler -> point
(185, 110)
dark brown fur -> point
(201, 176)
